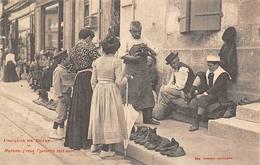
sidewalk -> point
(34, 122)
(200, 147)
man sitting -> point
(212, 89)
(178, 86)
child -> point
(61, 95)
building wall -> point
(161, 31)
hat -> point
(110, 44)
(213, 58)
(60, 55)
(171, 57)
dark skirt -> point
(79, 113)
(10, 74)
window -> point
(200, 15)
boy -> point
(61, 95)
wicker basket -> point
(68, 79)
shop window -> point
(200, 15)
(53, 29)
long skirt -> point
(10, 74)
(107, 119)
(79, 112)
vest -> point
(191, 77)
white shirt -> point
(10, 57)
(180, 76)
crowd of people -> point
(93, 106)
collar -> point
(216, 73)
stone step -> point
(235, 129)
(250, 112)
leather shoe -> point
(152, 121)
(176, 153)
(164, 142)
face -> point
(212, 67)
(136, 32)
(175, 63)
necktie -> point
(210, 77)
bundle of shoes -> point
(148, 137)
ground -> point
(24, 138)
(24, 129)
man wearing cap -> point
(178, 86)
(214, 90)
(140, 88)
(61, 95)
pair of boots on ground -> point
(149, 139)
(57, 131)
(106, 150)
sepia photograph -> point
(130, 82)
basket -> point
(68, 79)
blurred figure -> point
(10, 74)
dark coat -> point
(228, 52)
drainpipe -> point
(133, 9)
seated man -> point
(178, 86)
(212, 89)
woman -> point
(107, 120)
(81, 57)
(10, 74)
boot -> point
(195, 124)
(147, 117)
(53, 134)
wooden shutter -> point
(184, 18)
(205, 15)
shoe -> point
(176, 153)
(163, 144)
(152, 121)
(142, 134)
(141, 137)
(104, 154)
(61, 132)
(95, 148)
(196, 120)
(53, 135)
(140, 130)
(173, 143)
(152, 136)
(170, 148)
(155, 142)
(148, 137)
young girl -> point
(107, 120)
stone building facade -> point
(162, 30)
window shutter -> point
(205, 15)
(184, 18)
